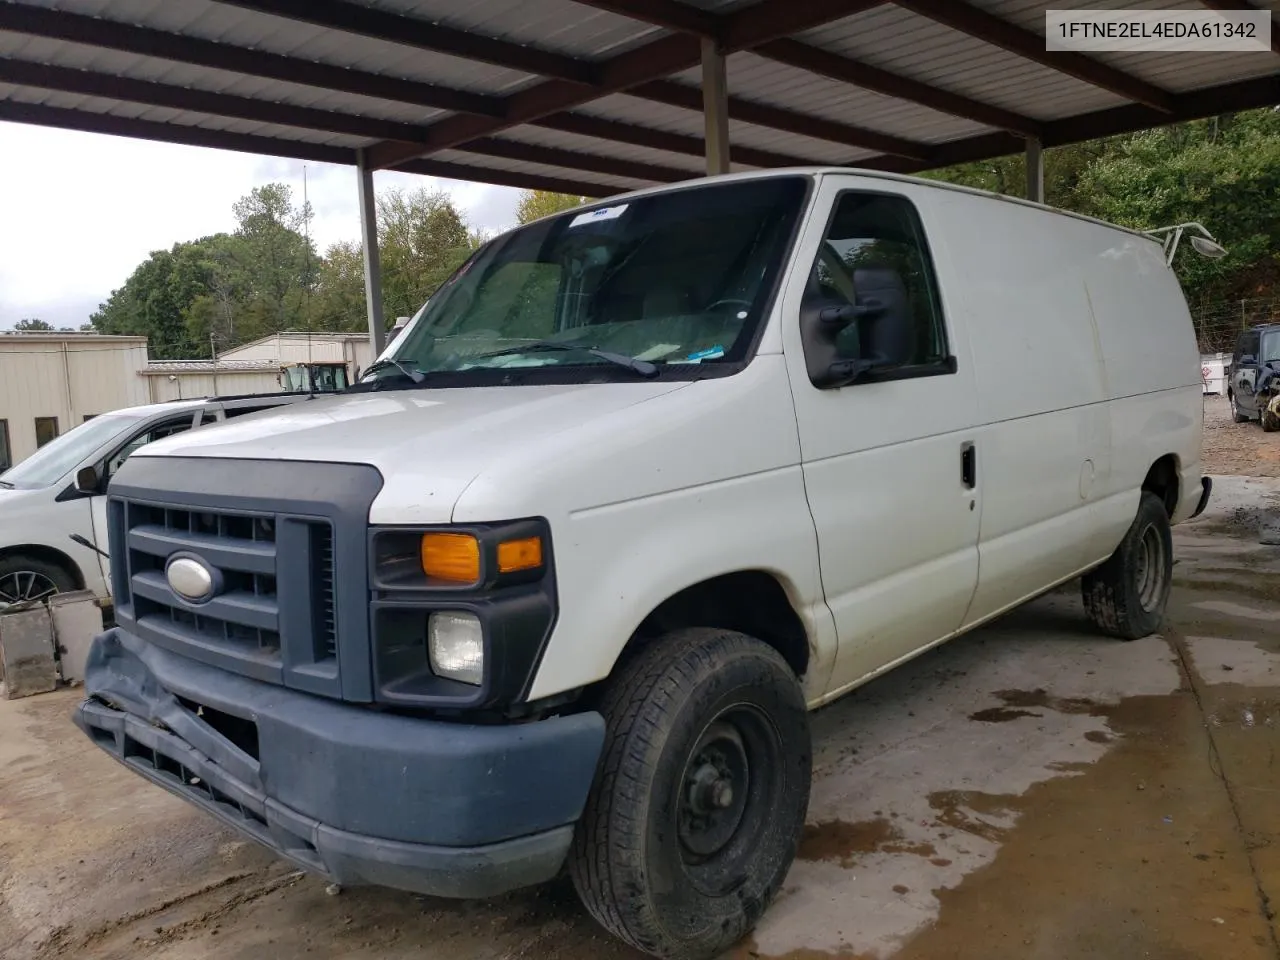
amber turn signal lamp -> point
(517, 555)
(454, 557)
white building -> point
(50, 382)
(255, 367)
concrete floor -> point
(1030, 791)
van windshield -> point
(679, 279)
(59, 457)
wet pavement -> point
(1030, 791)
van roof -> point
(861, 172)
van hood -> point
(441, 438)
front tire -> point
(701, 794)
(1236, 415)
(1126, 596)
(1270, 419)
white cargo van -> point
(557, 582)
(53, 509)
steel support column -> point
(372, 261)
(715, 108)
(1035, 170)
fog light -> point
(455, 644)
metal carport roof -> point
(595, 97)
(598, 96)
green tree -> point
(32, 325)
(536, 204)
(422, 239)
(339, 298)
(274, 262)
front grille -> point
(240, 627)
(322, 580)
(290, 543)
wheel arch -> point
(1164, 480)
(755, 602)
(46, 554)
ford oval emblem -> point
(190, 579)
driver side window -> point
(874, 257)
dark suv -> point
(1256, 360)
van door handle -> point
(968, 465)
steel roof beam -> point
(780, 118)
(603, 129)
(151, 93)
(847, 70)
(86, 121)
(416, 32)
(144, 41)
(1031, 46)
(651, 61)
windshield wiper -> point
(417, 376)
(641, 368)
(6, 484)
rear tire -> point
(701, 794)
(1126, 596)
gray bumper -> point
(352, 794)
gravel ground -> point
(1237, 449)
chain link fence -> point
(1218, 325)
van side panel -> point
(1044, 450)
(1153, 373)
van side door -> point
(885, 403)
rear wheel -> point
(24, 578)
(1127, 595)
(700, 801)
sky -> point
(79, 211)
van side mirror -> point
(88, 481)
(832, 342)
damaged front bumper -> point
(350, 793)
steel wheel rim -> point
(22, 586)
(1151, 568)
(735, 769)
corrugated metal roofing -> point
(369, 83)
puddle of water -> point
(1001, 715)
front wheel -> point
(701, 795)
(1127, 595)
(1236, 415)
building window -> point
(46, 430)
(6, 459)
(89, 416)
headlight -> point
(455, 645)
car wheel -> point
(1126, 596)
(24, 578)
(700, 797)
(1236, 415)
(1270, 418)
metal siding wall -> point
(268, 349)
(189, 386)
(33, 383)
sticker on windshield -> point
(711, 353)
(600, 213)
